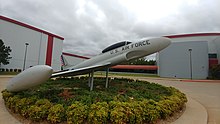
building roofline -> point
(29, 26)
(74, 55)
(192, 35)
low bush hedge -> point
(40, 110)
(117, 110)
(56, 114)
(98, 113)
(77, 113)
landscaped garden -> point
(68, 100)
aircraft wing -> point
(81, 71)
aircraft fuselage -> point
(127, 52)
(111, 56)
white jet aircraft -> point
(112, 55)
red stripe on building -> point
(73, 55)
(49, 50)
(29, 26)
(193, 35)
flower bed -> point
(69, 100)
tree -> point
(140, 61)
(4, 53)
(215, 71)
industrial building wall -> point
(57, 52)
(174, 61)
(15, 36)
(210, 39)
(42, 49)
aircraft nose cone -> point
(164, 42)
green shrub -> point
(77, 113)
(126, 112)
(121, 112)
(56, 114)
(36, 113)
(172, 104)
(11, 102)
(150, 111)
(45, 103)
(98, 113)
(138, 111)
(20, 105)
(165, 108)
(39, 111)
(215, 71)
(6, 94)
(23, 105)
(26, 105)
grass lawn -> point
(9, 73)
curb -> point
(195, 113)
(209, 81)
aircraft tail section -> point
(64, 63)
(69, 60)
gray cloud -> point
(91, 27)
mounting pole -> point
(25, 55)
(92, 79)
(106, 82)
(89, 80)
(190, 63)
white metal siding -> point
(174, 61)
(211, 46)
(16, 36)
(42, 49)
(57, 52)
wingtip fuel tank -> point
(29, 78)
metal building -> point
(189, 56)
(30, 45)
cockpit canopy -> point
(116, 45)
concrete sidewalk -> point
(195, 113)
(5, 116)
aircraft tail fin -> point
(64, 63)
(69, 60)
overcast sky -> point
(89, 26)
